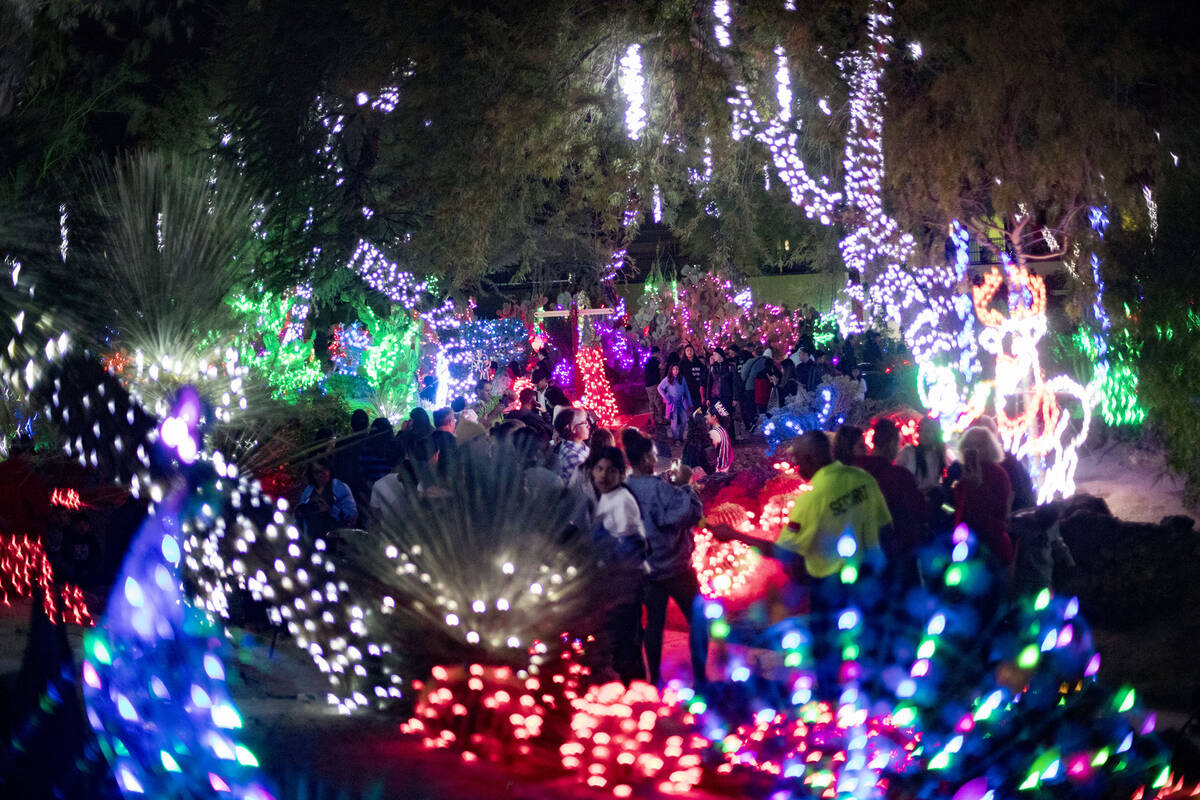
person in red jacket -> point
(983, 495)
(904, 500)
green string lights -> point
(272, 342)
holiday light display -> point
(228, 536)
(1116, 375)
(725, 569)
(808, 747)
(272, 341)
(597, 393)
(1040, 433)
(934, 315)
(492, 713)
(219, 377)
(627, 738)
(386, 277)
(154, 683)
(25, 571)
(922, 694)
(710, 308)
(390, 362)
(633, 86)
(347, 347)
(822, 410)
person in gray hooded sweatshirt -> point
(669, 511)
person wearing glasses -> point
(573, 430)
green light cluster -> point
(390, 363)
(1117, 373)
(289, 368)
(825, 330)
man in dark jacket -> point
(652, 372)
(531, 415)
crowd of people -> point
(627, 493)
(741, 386)
(639, 516)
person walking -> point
(617, 527)
(652, 373)
(678, 401)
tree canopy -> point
(467, 141)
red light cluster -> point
(24, 565)
(626, 738)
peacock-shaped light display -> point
(943, 690)
(153, 671)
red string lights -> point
(66, 498)
(626, 738)
(491, 712)
(597, 392)
(24, 565)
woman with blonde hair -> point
(983, 495)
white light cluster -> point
(783, 85)
(333, 123)
(226, 550)
(633, 86)
(876, 244)
(935, 314)
(293, 330)
(218, 377)
(64, 232)
(385, 276)
(1152, 210)
(724, 20)
(658, 208)
(782, 141)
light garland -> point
(25, 571)
(629, 738)
(597, 393)
(633, 86)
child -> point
(617, 525)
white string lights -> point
(724, 20)
(386, 276)
(633, 86)
(935, 315)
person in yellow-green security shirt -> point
(830, 540)
(836, 523)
